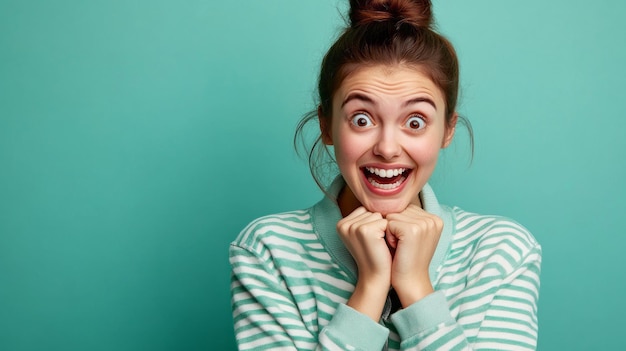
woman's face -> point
(387, 127)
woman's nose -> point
(387, 146)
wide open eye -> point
(416, 122)
(361, 120)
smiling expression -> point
(387, 127)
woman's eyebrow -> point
(420, 99)
(356, 96)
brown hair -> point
(387, 32)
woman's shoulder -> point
(291, 226)
(493, 233)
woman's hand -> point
(363, 233)
(412, 235)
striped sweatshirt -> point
(292, 276)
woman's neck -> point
(346, 201)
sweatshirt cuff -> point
(357, 330)
(425, 314)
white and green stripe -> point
(291, 279)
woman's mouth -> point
(386, 178)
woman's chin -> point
(386, 207)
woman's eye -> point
(361, 120)
(416, 122)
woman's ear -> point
(450, 129)
(325, 128)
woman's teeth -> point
(387, 186)
(386, 173)
(386, 179)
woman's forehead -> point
(398, 81)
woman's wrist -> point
(413, 292)
(369, 298)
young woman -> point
(378, 263)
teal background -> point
(138, 137)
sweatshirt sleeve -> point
(266, 315)
(497, 310)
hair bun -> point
(415, 12)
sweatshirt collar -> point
(326, 214)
